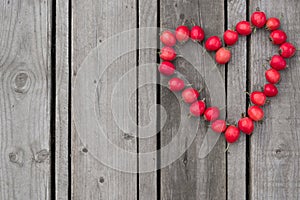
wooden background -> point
(42, 45)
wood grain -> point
(147, 97)
(92, 24)
(190, 177)
(25, 99)
(275, 144)
(236, 103)
(62, 100)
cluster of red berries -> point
(214, 43)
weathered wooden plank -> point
(147, 98)
(191, 177)
(25, 99)
(62, 100)
(94, 22)
(275, 144)
(236, 103)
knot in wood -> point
(42, 155)
(21, 82)
(15, 158)
(12, 157)
(85, 150)
(281, 153)
(101, 179)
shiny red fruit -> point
(176, 84)
(190, 95)
(211, 114)
(278, 62)
(166, 68)
(258, 19)
(223, 55)
(272, 76)
(167, 53)
(197, 108)
(230, 37)
(278, 37)
(182, 33)
(232, 134)
(287, 50)
(219, 126)
(272, 24)
(197, 34)
(243, 28)
(246, 125)
(270, 90)
(258, 98)
(168, 38)
(213, 43)
(255, 113)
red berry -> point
(223, 56)
(176, 84)
(243, 28)
(255, 113)
(182, 33)
(230, 37)
(197, 108)
(167, 53)
(272, 76)
(168, 38)
(246, 125)
(270, 90)
(287, 50)
(219, 126)
(272, 24)
(278, 37)
(166, 68)
(258, 19)
(197, 34)
(211, 114)
(190, 95)
(277, 62)
(213, 43)
(232, 134)
(258, 98)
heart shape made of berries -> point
(222, 56)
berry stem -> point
(227, 147)
(247, 93)
(243, 115)
(193, 22)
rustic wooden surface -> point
(274, 149)
(147, 72)
(91, 25)
(236, 103)
(190, 177)
(43, 44)
(25, 99)
(62, 185)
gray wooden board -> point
(190, 177)
(25, 99)
(62, 100)
(275, 144)
(236, 103)
(93, 22)
(147, 98)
